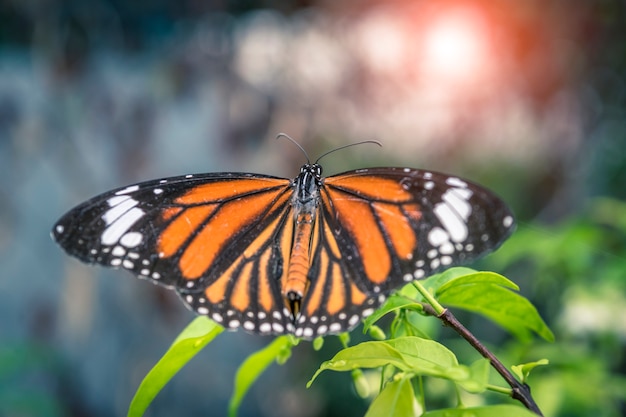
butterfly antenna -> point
(347, 146)
(292, 140)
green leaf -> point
(190, 341)
(478, 377)
(487, 411)
(482, 277)
(523, 370)
(434, 282)
(411, 354)
(364, 355)
(254, 366)
(423, 354)
(396, 399)
(393, 303)
(490, 294)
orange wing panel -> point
(180, 229)
(263, 237)
(266, 299)
(220, 190)
(331, 241)
(170, 212)
(216, 291)
(356, 216)
(337, 299)
(357, 297)
(240, 297)
(315, 296)
(371, 187)
(227, 221)
(398, 228)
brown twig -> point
(520, 391)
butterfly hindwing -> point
(335, 301)
(248, 293)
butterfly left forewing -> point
(159, 229)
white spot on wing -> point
(456, 182)
(131, 239)
(464, 193)
(129, 189)
(116, 230)
(451, 221)
(114, 201)
(457, 203)
(446, 249)
(118, 209)
(506, 222)
(60, 228)
(118, 251)
(335, 327)
(437, 236)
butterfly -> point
(310, 256)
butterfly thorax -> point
(307, 184)
(305, 201)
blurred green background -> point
(527, 98)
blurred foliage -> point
(577, 269)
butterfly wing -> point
(380, 228)
(395, 225)
(220, 240)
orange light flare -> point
(447, 45)
(455, 47)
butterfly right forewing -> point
(394, 225)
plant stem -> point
(519, 391)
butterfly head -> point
(308, 182)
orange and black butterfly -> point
(309, 256)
